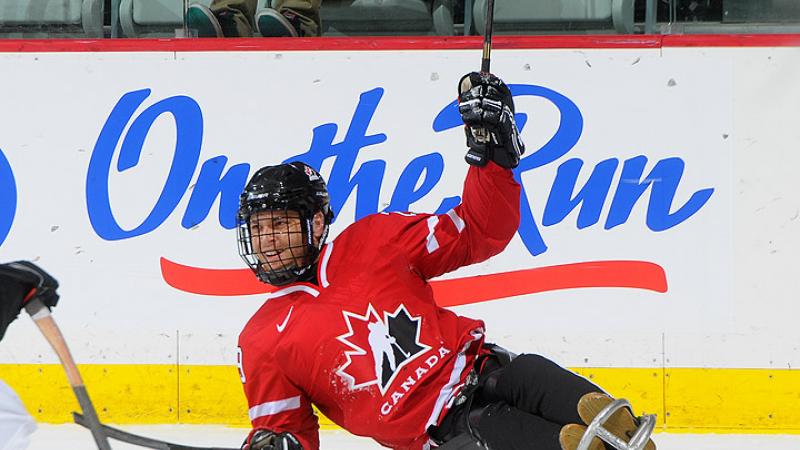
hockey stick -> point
(41, 316)
(141, 441)
(487, 37)
(477, 156)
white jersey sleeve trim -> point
(323, 266)
(446, 394)
(457, 221)
(272, 408)
(292, 289)
(431, 243)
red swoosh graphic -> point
(452, 292)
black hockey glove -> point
(39, 284)
(268, 440)
(21, 282)
(487, 109)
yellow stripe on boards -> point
(644, 388)
(120, 393)
(685, 399)
(754, 400)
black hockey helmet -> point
(286, 187)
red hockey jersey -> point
(368, 345)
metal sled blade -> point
(141, 441)
(637, 442)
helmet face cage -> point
(278, 245)
(275, 223)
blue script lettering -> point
(417, 180)
(592, 195)
(369, 177)
(664, 178)
(189, 128)
(8, 197)
(210, 184)
(667, 173)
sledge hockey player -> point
(21, 282)
(353, 327)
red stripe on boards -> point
(453, 292)
(390, 43)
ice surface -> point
(49, 437)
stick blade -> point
(141, 441)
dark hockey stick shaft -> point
(477, 156)
(141, 441)
(487, 37)
(41, 316)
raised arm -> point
(486, 220)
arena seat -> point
(386, 17)
(51, 18)
(526, 16)
(155, 18)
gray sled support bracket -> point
(141, 441)
(463, 441)
(595, 429)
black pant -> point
(523, 405)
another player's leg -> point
(16, 425)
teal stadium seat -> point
(155, 18)
(387, 17)
(160, 18)
(776, 11)
(51, 18)
(538, 16)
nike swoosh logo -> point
(281, 326)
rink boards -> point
(656, 251)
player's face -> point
(278, 240)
